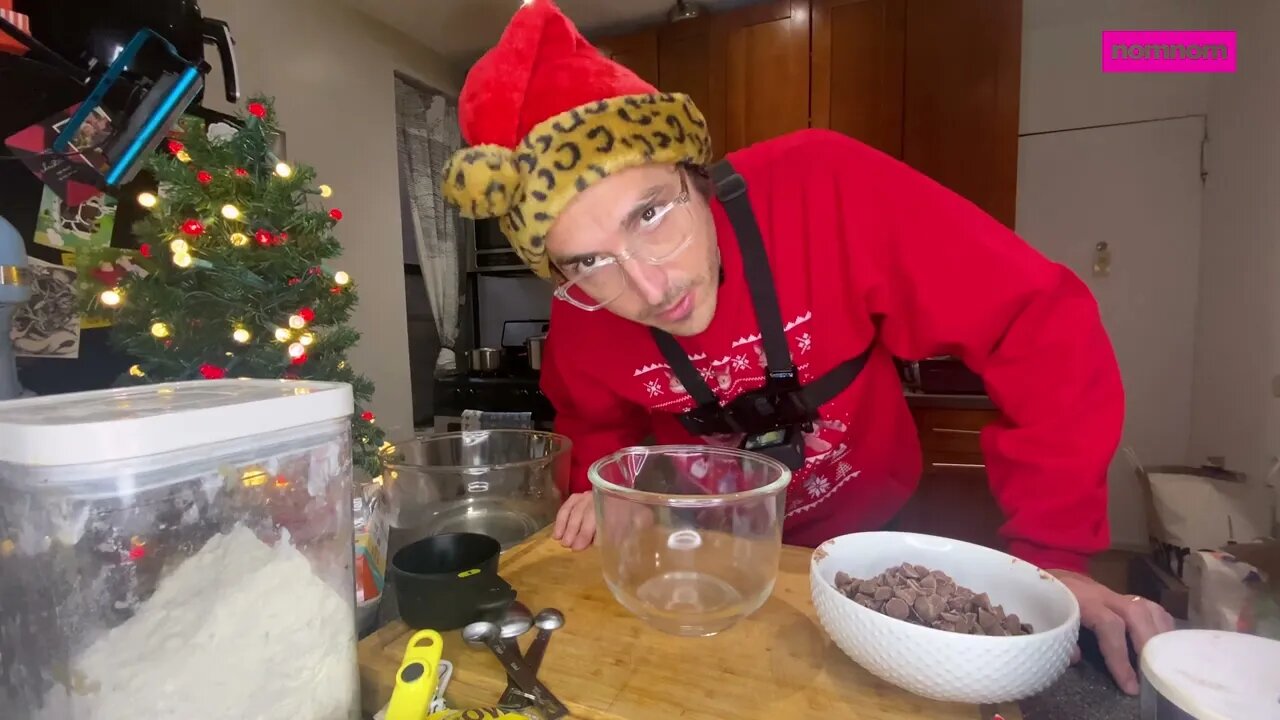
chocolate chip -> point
(896, 608)
(931, 598)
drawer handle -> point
(957, 431)
(958, 465)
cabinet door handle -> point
(957, 431)
(975, 466)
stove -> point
(512, 391)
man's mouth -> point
(680, 310)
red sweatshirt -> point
(853, 235)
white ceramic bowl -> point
(943, 665)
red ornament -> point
(193, 227)
(307, 314)
(241, 172)
(203, 177)
(175, 147)
(336, 214)
(264, 238)
(144, 250)
(294, 281)
(212, 372)
(366, 416)
(299, 360)
(336, 290)
(257, 109)
(315, 270)
(137, 552)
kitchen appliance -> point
(507, 391)
(489, 251)
(15, 290)
(517, 346)
(501, 483)
(136, 518)
(690, 535)
(1209, 675)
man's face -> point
(642, 242)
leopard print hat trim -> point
(526, 188)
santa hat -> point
(546, 116)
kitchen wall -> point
(331, 70)
(1115, 158)
(1238, 342)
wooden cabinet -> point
(637, 51)
(766, 70)
(858, 59)
(960, 115)
(934, 83)
(688, 64)
(953, 499)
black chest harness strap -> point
(774, 418)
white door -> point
(1137, 188)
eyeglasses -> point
(664, 232)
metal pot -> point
(485, 360)
(534, 345)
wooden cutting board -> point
(605, 664)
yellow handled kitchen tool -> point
(416, 685)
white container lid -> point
(1214, 674)
(123, 423)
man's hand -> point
(1110, 616)
(576, 522)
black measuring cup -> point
(444, 582)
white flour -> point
(240, 631)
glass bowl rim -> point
(672, 500)
(563, 445)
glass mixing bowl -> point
(689, 535)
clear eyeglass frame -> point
(613, 263)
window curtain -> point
(427, 136)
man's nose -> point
(649, 280)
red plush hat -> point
(547, 115)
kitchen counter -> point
(607, 665)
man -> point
(602, 185)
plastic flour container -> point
(178, 550)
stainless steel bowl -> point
(484, 360)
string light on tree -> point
(147, 200)
(110, 298)
(306, 339)
(182, 260)
(264, 238)
(297, 350)
(182, 156)
(297, 322)
(179, 247)
(283, 335)
(230, 212)
(325, 191)
(283, 169)
(193, 227)
(241, 335)
(204, 177)
(336, 214)
(308, 315)
(341, 278)
(136, 371)
(160, 330)
(239, 239)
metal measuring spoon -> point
(516, 621)
(547, 622)
(489, 634)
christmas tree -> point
(230, 278)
